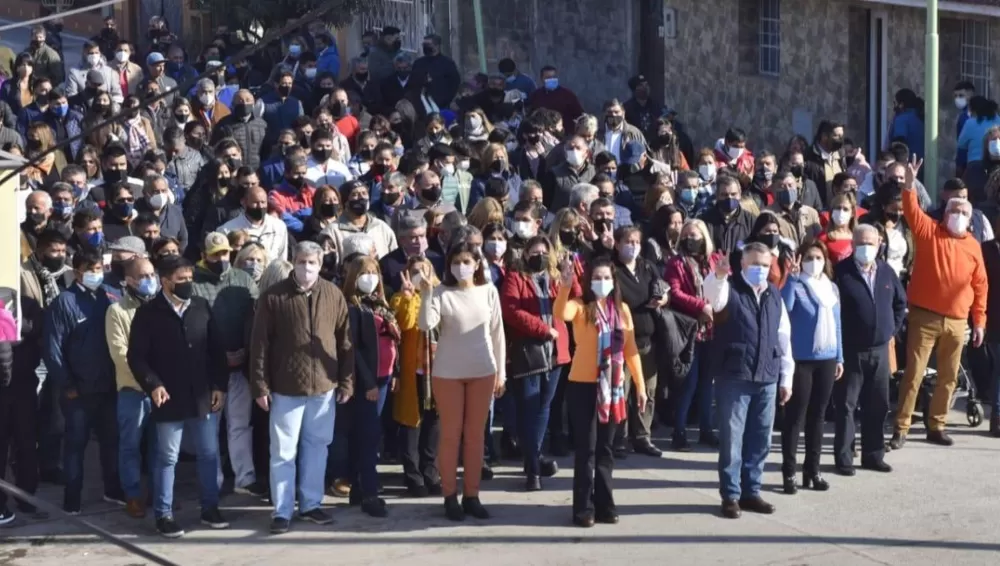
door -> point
(878, 83)
(651, 45)
(412, 17)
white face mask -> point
(310, 73)
(707, 172)
(495, 248)
(840, 217)
(158, 201)
(574, 157)
(813, 267)
(958, 224)
(994, 148)
(961, 102)
(207, 99)
(523, 230)
(735, 152)
(367, 283)
(464, 165)
(306, 274)
(93, 59)
(448, 169)
(463, 271)
(121, 56)
(415, 279)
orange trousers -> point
(463, 405)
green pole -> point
(931, 88)
(477, 10)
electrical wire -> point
(57, 15)
(244, 54)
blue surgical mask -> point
(398, 151)
(552, 83)
(688, 196)
(148, 287)
(756, 275)
(787, 197)
(865, 254)
(602, 287)
(63, 210)
(60, 110)
(295, 50)
(92, 280)
(95, 239)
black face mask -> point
(403, 75)
(691, 246)
(397, 45)
(217, 267)
(329, 210)
(614, 122)
(284, 90)
(428, 50)
(432, 194)
(361, 77)
(391, 199)
(338, 109)
(849, 160)
(330, 262)
(602, 226)
(33, 145)
(53, 264)
(184, 291)
(234, 163)
(497, 166)
(322, 155)
(496, 93)
(297, 182)
(358, 207)
(892, 216)
(567, 238)
(241, 111)
(796, 170)
(36, 219)
(256, 214)
(113, 176)
(118, 270)
(769, 240)
(537, 263)
(149, 243)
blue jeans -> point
(693, 384)
(533, 396)
(366, 433)
(133, 415)
(90, 412)
(302, 429)
(168, 446)
(746, 416)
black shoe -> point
(709, 439)
(647, 448)
(417, 491)
(620, 452)
(788, 485)
(680, 444)
(279, 525)
(547, 467)
(898, 440)
(585, 520)
(472, 506)
(877, 466)
(452, 509)
(375, 507)
(756, 504)
(939, 437)
(608, 517)
(169, 528)
(434, 488)
(53, 476)
(509, 450)
(731, 509)
(316, 516)
(213, 519)
(814, 482)
(532, 483)
(995, 426)
(256, 489)
(845, 470)
(6, 516)
(487, 473)
(354, 498)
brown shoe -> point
(340, 488)
(135, 508)
(731, 509)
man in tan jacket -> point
(798, 222)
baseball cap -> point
(95, 77)
(390, 30)
(129, 244)
(216, 242)
(636, 81)
(631, 153)
(154, 58)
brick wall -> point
(85, 24)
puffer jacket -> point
(231, 297)
(185, 167)
(248, 134)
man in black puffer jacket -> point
(244, 126)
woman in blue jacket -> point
(813, 304)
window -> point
(976, 55)
(769, 37)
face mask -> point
(121, 56)
(36, 219)
(432, 194)
(241, 111)
(361, 77)
(958, 224)
(813, 267)
(53, 264)
(158, 201)
(688, 196)
(218, 267)
(295, 50)
(297, 182)
(182, 118)
(367, 283)
(551, 83)
(463, 271)
(574, 157)
(474, 122)
(93, 60)
(397, 45)
(358, 207)
(206, 99)
(147, 288)
(403, 75)
(306, 274)
(755, 275)
(734, 152)
(310, 73)
(567, 238)
(495, 248)
(769, 240)
(840, 217)
(61, 110)
(63, 210)
(602, 287)
(727, 205)
(448, 170)
(537, 263)
(796, 170)
(706, 172)
(892, 216)
(464, 165)
(628, 252)
(961, 102)
(184, 291)
(329, 210)
(391, 199)
(256, 214)
(787, 197)
(254, 269)
(768, 175)
(498, 166)
(92, 280)
(96, 239)
(523, 230)
(284, 90)
(331, 262)
(994, 148)
(614, 122)
(692, 246)
(322, 155)
(865, 254)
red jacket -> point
(684, 297)
(744, 163)
(521, 313)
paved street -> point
(939, 506)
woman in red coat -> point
(685, 274)
(538, 343)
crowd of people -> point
(294, 274)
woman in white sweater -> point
(467, 371)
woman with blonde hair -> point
(39, 139)
(487, 211)
(251, 258)
(838, 237)
(412, 401)
(494, 163)
(660, 193)
(476, 127)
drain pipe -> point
(477, 10)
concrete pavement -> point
(938, 506)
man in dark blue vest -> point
(753, 367)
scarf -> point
(379, 307)
(41, 169)
(825, 336)
(50, 289)
(610, 362)
(138, 141)
(543, 291)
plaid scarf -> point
(378, 306)
(137, 139)
(610, 362)
(50, 289)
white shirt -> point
(717, 294)
(613, 143)
(272, 234)
(333, 173)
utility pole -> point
(931, 87)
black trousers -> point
(51, 426)
(260, 422)
(418, 451)
(560, 425)
(593, 463)
(640, 425)
(18, 421)
(811, 390)
(865, 380)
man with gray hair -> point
(390, 197)
(441, 71)
(297, 385)
(753, 367)
(206, 106)
(872, 308)
(158, 201)
(411, 234)
(560, 180)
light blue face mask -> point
(148, 287)
(92, 280)
(756, 275)
(602, 287)
(552, 83)
(865, 254)
(688, 196)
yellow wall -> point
(10, 234)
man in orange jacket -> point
(948, 285)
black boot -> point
(452, 509)
(473, 507)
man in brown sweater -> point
(300, 352)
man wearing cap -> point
(156, 69)
(641, 110)
(123, 250)
(231, 294)
(207, 108)
(615, 132)
(637, 170)
(82, 75)
(383, 53)
(94, 83)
